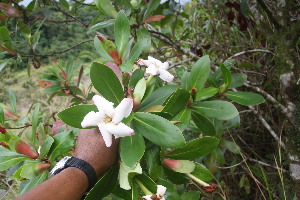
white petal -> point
(161, 190)
(123, 110)
(152, 60)
(147, 197)
(151, 69)
(107, 137)
(119, 130)
(165, 75)
(103, 104)
(143, 62)
(92, 118)
(165, 65)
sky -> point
(26, 2)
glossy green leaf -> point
(245, 98)
(126, 175)
(3, 64)
(183, 117)
(8, 153)
(105, 184)
(221, 110)
(35, 122)
(218, 155)
(107, 7)
(194, 149)
(106, 83)
(53, 88)
(202, 173)
(137, 49)
(158, 130)
(147, 182)
(150, 8)
(144, 35)
(65, 4)
(226, 76)
(2, 117)
(100, 25)
(137, 75)
(4, 34)
(204, 124)
(34, 182)
(122, 32)
(206, 93)
(74, 115)
(132, 149)
(45, 148)
(177, 101)
(171, 191)
(9, 161)
(127, 66)
(63, 141)
(191, 195)
(185, 79)
(231, 146)
(12, 101)
(175, 177)
(199, 73)
(152, 161)
(29, 171)
(123, 194)
(101, 51)
(157, 97)
(238, 80)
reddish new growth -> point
(209, 189)
(2, 130)
(100, 38)
(4, 144)
(23, 148)
(45, 84)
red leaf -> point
(154, 18)
(2, 130)
(45, 84)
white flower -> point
(155, 67)
(161, 190)
(108, 118)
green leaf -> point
(144, 35)
(46, 146)
(137, 49)
(177, 101)
(2, 65)
(204, 125)
(184, 117)
(238, 80)
(152, 161)
(35, 122)
(132, 149)
(183, 166)
(53, 88)
(2, 118)
(4, 34)
(199, 73)
(12, 101)
(202, 173)
(231, 146)
(245, 7)
(29, 171)
(245, 98)
(100, 49)
(7, 153)
(65, 4)
(218, 155)
(9, 161)
(158, 130)
(122, 32)
(175, 177)
(226, 75)
(171, 192)
(206, 93)
(127, 66)
(106, 83)
(157, 97)
(185, 79)
(150, 8)
(63, 141)
(139, 90)
(137, 75)
(126, 174)
(221, 110)
(100, 25)
(105, 184)
(107, 7)
(147, 182)
(34, 182)
(194, 149)
(191, 195)
(74, 115)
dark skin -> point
(72, 183)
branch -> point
(179, 63)
(52, 20)
(84, 4)
(250, 51)
(58, 52)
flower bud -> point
(2, 130)
(41, 167)
(11, 115)
(23, 148)
(4, 144)
(181, 166)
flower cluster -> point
(161, 190)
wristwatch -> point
(69, 161)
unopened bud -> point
(100, 38)
(23, 148)
(64, 75)
(42, 167)
(2, 130)
(4, 144)
(181, 166)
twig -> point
(52, 20)
(84, 4)
(266, 164)
(179, 63)
(250, 51)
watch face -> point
(60, 165)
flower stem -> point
(149, 79)
(143, 188)
(197, 180)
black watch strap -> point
(85, 167)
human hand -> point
(92, 149)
